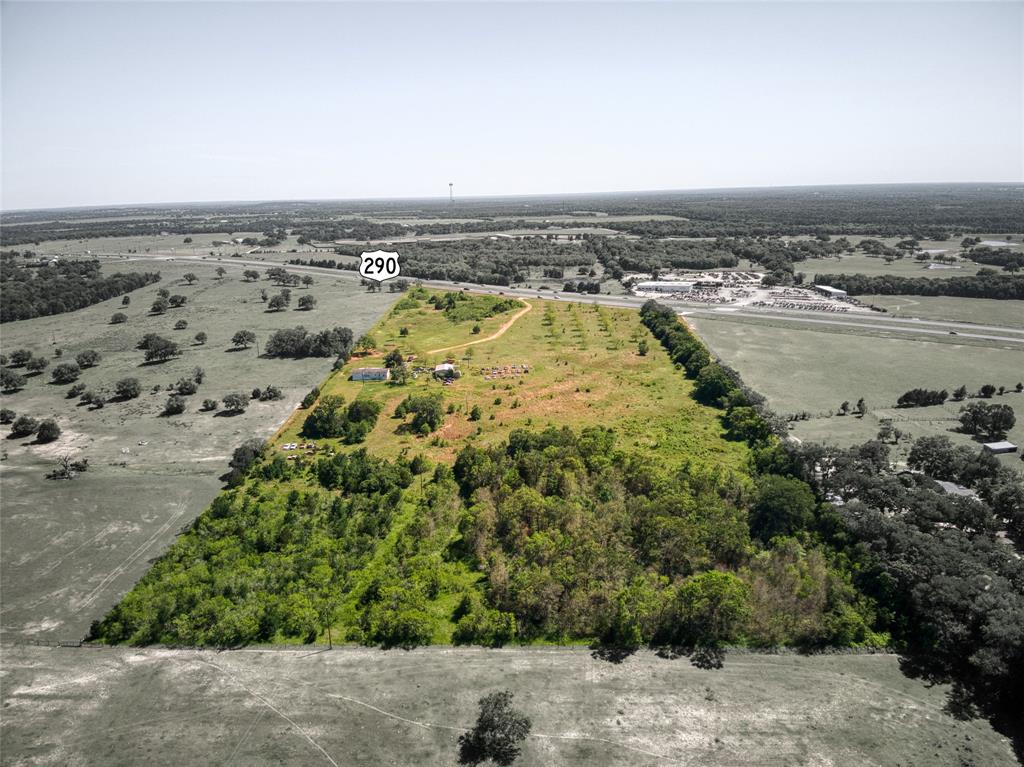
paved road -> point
(868, 322)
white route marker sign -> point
(379, 265)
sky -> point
(110, 103)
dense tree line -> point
(982, 285)
(1010, 259)
(298, 342)
(950, 593)
(922, 398)
(331, 419)
(61, 287)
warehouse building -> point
(828, 290)
(664, 286)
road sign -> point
(379, 265)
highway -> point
(871, 323)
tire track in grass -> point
(527, 306)
(271, 706)
(129, 560)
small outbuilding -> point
(371, 374)
(997, 448)
(446, 370)
(952, 488)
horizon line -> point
(510, 196)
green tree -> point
(64, 373)
(24, 426)
(236, 402)
(190, 277)
(48, 431)
(243, 338)
(127, 388)
(37, 364)
(497, 734)
(782, 506)
(11, 381)
(89, 358)
(175, 405)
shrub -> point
(175, 405)
(186, 386)
(11, 381)
(271, 393)
(181, 324)
(127, 388)
(48, 431)
(37, 364)
(200, 338)
(66, 372)
(310, 398)
(7, 415)
(76, 391)
(118, 317)
(24, 426)
(89, 358)
(20, 357)
(235, 402)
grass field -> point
(808, 370)
(981, 311)
(70, 549)
(584, 369)
(367, 707)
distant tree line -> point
(62, 287)
(982, 285)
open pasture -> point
(801, 370)
(584, 369)
(71, 548)
(982, 311)
(119, 706)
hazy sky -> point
(118, 103)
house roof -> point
(1002, 445)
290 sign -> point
(379, 265)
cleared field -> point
(983, 311)
(70, 549)
(808, 370)
(583, 363)
(367, 707)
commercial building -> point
(663, 286)
(828, 290)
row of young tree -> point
(61, 287)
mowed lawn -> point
(584, 370)
(801, 370)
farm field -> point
(119, 706)
(583, 363)
(70, 549)
(807, 370)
